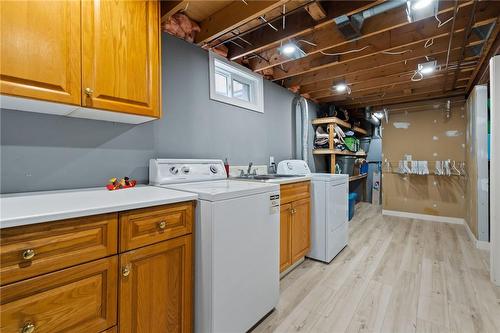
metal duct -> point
(370, 117)
(350, 27)
(302, 134)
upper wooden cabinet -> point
(100, 58)
(120, 42)
(40, 50)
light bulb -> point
(341, 87)
(288, 49)
(427, 70)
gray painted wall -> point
(43, 152)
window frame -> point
(241, 74)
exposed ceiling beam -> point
(369, 63)
(329, 36)
(391, 81)
(491, 48)
(416, 96)
(296, 24)
(387, 69)
(401, 39)
(232, 16)
(169, 8)
(433, 84)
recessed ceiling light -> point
(341, 87)
(427, 67)
(289, 49)
(420, 4)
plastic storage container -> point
(352, 201)
(346, 164)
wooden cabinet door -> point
(82, 299)
(300, 228)
(285, 236)
(120, 54)
(156, 288)
(40, 50)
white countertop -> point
(36, 207)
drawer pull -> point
(28, 255)
(125, 271)
(88, 91)
(162, 225)
(294, 211)
(28, 327)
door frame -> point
(495, 165)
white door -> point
(495, 165)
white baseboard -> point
(482, 245)
(426, 217)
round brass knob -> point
(28, 254)
(28, 327)
(162, 225)
(88, 91)
(126, 271)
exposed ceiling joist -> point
(437, 52)
(296, 24)
(401, 39)
(391, 81)
(169, 8)
(329, 36)
(491, 49)
(233, 16)
(376, 61)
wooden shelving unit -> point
(353, 178)
(341, 123)
(325, 151)
(331, 151)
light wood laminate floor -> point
(396, 275)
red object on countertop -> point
(226, 166)
(114, 184)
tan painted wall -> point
(424, 139)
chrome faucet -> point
(249, 168)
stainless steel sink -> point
(265, 177)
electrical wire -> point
(414, 77)
(429, 43)
(346, 52)
(440, 24)
(396, 52)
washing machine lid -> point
(332, 178)
(224, 189)
(293, 167)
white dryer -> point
(236, 243)
(329, 209)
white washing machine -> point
(236, 243)
(329, 209)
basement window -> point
(233, 84)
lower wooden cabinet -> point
(146, 289)
(78, 299)
(285, 236)
(300, 228)
(295, 223)
(156, 287)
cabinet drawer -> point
(33, 250)
(294, 191)
(154, 224)
(78, 299)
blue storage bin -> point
(352, 201)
